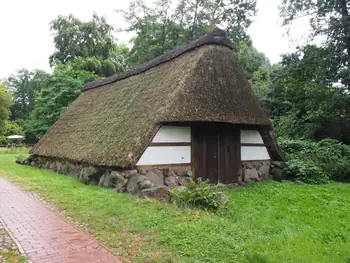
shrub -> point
(200, 195)
(313, 162)
(305, 171)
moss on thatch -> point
(112, 125)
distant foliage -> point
(62, 88)
(330, 20)
(200, 195)
(165, 25)
(9, 128)
(316, 162)
(74, 38)
(306, 100)
(5, 103)
(24, 85)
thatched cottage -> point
(190, 112)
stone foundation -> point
(145, 182)
(256, 171)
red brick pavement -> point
(43, 235)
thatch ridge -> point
(215, 37)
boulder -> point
(121, 186)
(119, 181)
(65, 168)
(47, 164)
(185, 180)
(171, 181)
(251, 175)
(74, 169)
(180, 171)
(41, 160)
(89, 175)
(59, 167)
(133, 184)
(161, 193)
(168, 172)
(277, 174)
(20, 160)
(129, 173)
(53, 166)
(105, 179)
(156, 177)
(189, 173)
(142, 170)
(276, 164)
(146, 184)
(264, 171)
(110, 179)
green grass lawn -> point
(266, 222)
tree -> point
(87, 45)
(329, 18)
(9, 128)
(161, 28)
(304, 100)
(24, 86)
(62, 87)
(256, 67)
(104, 68)
(5, 103)
(74, 38)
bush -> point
(10, 128)
(316, 162)
(200, 195)
(305, 171)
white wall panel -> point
(251, 136)
(249, 153)
(165, 155)
(173, 134)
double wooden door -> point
(216, 153)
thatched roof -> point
(113, 120)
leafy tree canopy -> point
(24, 86)
(330, 19)
(9, 128)
(87, 45)
(74, 38)
(62, 87)
(5, 103)
(304, 98)
(167, 25)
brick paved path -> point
(42, 234)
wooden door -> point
(229, 155)
(216, 153)
(205, 154)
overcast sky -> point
(26, 41)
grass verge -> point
(11, 256)
(267, 222)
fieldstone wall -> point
(145, 182)
(256, 171)
(148, 182)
